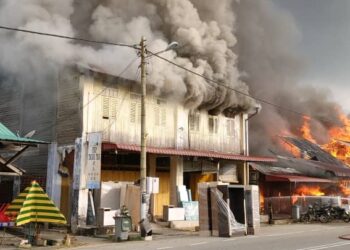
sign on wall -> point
(93, 161)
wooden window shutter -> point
(163, 117)
(133, 112)
(156, 116)
(230, 127)
(105, 107)
(113, 107)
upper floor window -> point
(213, 124)
(230, 127)
(109, 103)
(160, 113)
(194, 121)
(135, 108)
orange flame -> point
(294, 150)
(306, 130)
(262, 200)
(344, 188)
(336, 147)
(337, 134)
(309, 190)
(294, 198)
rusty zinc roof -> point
(187, 152)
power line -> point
(135, 46)
(105, 88)
(209, 80)
(69, 37)
(94, 98)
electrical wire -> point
(69, 37)
(135, 46)
(110, 124)
(94, 98)
(105, 88)
(209, 80)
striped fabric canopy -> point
(16, 205)
(37, 207)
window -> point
(135, 108)
(109, 103)
(160, 113)
(113, 107)
(194, 120)
(213, 124)
(105, 107)
(230, 127)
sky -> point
(324, 27)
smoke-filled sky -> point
(324, 42)
(284, 51)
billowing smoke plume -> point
(241, 44)
(205, 33)
(267, 39)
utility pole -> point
(143, 166)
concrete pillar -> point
(16, 186)
(80, 193)
(152, 170)
(53, 179)
(151, 165)
(244, 144)
(176, 177)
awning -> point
(8, 169)
(186, 152)
(7, 135)
(294, 178)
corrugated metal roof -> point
(8, 135)
(280, 174)
(294, 178)
(296, 166)
(187, 152)
(274, 170)
(314, 151)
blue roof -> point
(8, 135)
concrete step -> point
(184, 225)
(282, 221)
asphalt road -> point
(279, 237)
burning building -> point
(184, 146)
(311, 172)
(246, 46)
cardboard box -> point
(171, 213)
(105, 217)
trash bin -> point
(296, 212)
(122, 227)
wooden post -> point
(143, 166)
(176, 177)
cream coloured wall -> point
(116, 112)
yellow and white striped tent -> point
(37, 207)
(16, 205)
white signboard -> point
(93, 161)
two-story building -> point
(184, 146)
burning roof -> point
(274, 169)
(313, 151)
(310, 159)
(299, 166)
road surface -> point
(279, 237)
